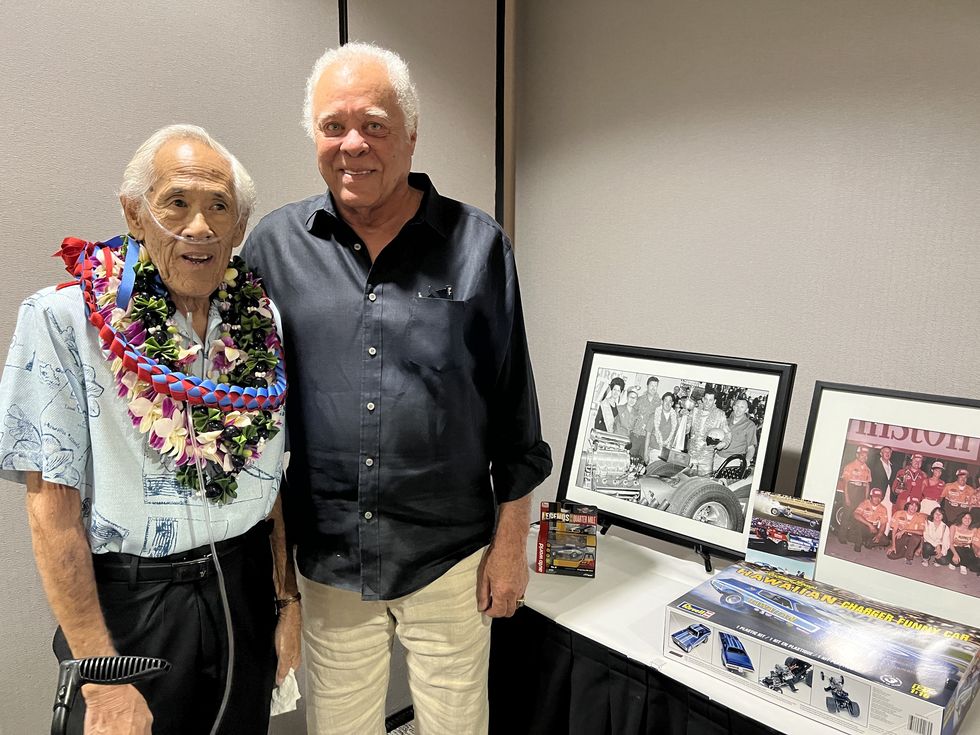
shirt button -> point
(372, 297)
(357, 246)
(370, 406)
(368, 515)
(369, 462)
(372, 352)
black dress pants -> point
(184, 623)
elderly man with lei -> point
(156, 371)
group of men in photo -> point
(712, 427)
(910, 512)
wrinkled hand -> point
(501, 578)
(115, 710)
(288, 641)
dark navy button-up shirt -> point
(412, 411)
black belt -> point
(185, 566)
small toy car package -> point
(567, 539)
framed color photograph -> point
(898, 474)
(672, 444)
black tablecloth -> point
(546, 679)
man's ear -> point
(133, 213)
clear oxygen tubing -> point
(217, 564)
(230, 227)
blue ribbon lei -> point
(125, 292)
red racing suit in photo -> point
(909, 484)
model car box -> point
(567, 539)
(852, 663)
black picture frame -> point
(654, 506)
(943, 430)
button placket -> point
(370, 440)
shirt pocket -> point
(435, 333)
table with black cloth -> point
(585, 657)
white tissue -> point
(286, 695)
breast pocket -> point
(435, 333)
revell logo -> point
(699, 611)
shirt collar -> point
(322, 217)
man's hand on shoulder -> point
(116, 710)
(503, 573)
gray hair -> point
(357, 52)
(140, 171)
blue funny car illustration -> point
(737, 594)
(733, 655)
(691, 637)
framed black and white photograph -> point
(898, 473)
(673, 444)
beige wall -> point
(450, 47)
(84, 83)
(779, 179)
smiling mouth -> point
(357, 174)
(195, 259)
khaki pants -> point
(348, 652)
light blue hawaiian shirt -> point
(60, 415)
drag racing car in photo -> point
(769, 504)
(788, 541)
(670, 483)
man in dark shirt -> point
(413, 422)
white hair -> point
(358, 52)
(141, 172)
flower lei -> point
(234, 411)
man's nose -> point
(354, 143)
(198, 228)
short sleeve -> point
(44, 406)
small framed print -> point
(673, 444)
(898, 474)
